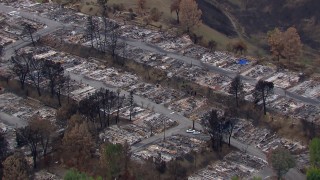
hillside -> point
(257, 17)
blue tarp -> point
(243, 61)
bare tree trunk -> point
(237, 98)
(59, 98)
(264, 103)
(178, 18)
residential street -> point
(184, 123)
(12, 120)
(54, 25)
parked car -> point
(190, 130)
(196, 132)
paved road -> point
(183, 122)
(221, 71)
(51, 26)
(12, 120)
(54, 25)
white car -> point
(190, 130)
(196, 132)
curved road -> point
(184, 123)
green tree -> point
(114, 159)
(235, 178)
(281, 161)
(256, 178)
(314, 148)
(313, 174)
(76, 175)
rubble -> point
(173, 147)
(309, 113)
(45, 175)
(286, 106)
(156, 93)
(284, 79)
(187, 105)
(109, 76)
(308, 88)
(130, 133)
(258, 72)
(194, 51)
(214, 81)
(148, 120)
(24, 108)
(234, 164)
(265, 140)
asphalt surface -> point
(54, 25)
(12, 120)
(184, 123)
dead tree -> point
(21, 67)
(1, 50)
(160, 165)
(45, 129)
(151, 126)
(31, 136)
(89, 107)
(118, 105)
(68, 80)
(90, 28)
(175, 6)
(104, 7)
(35, 73)
(131, 100)
(4, 148)
(100, 41)
(114, 36)
(124, 55)
(52, 71)
(60, 83)
(262, 91)
(229, 127)
(109, 99)
(101, 102)
(212, 45)
(214, 126)
(28, 31)
(236, 88)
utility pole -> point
(164, 129)
(117, 118)
(68, 86)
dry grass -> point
(287, 127)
